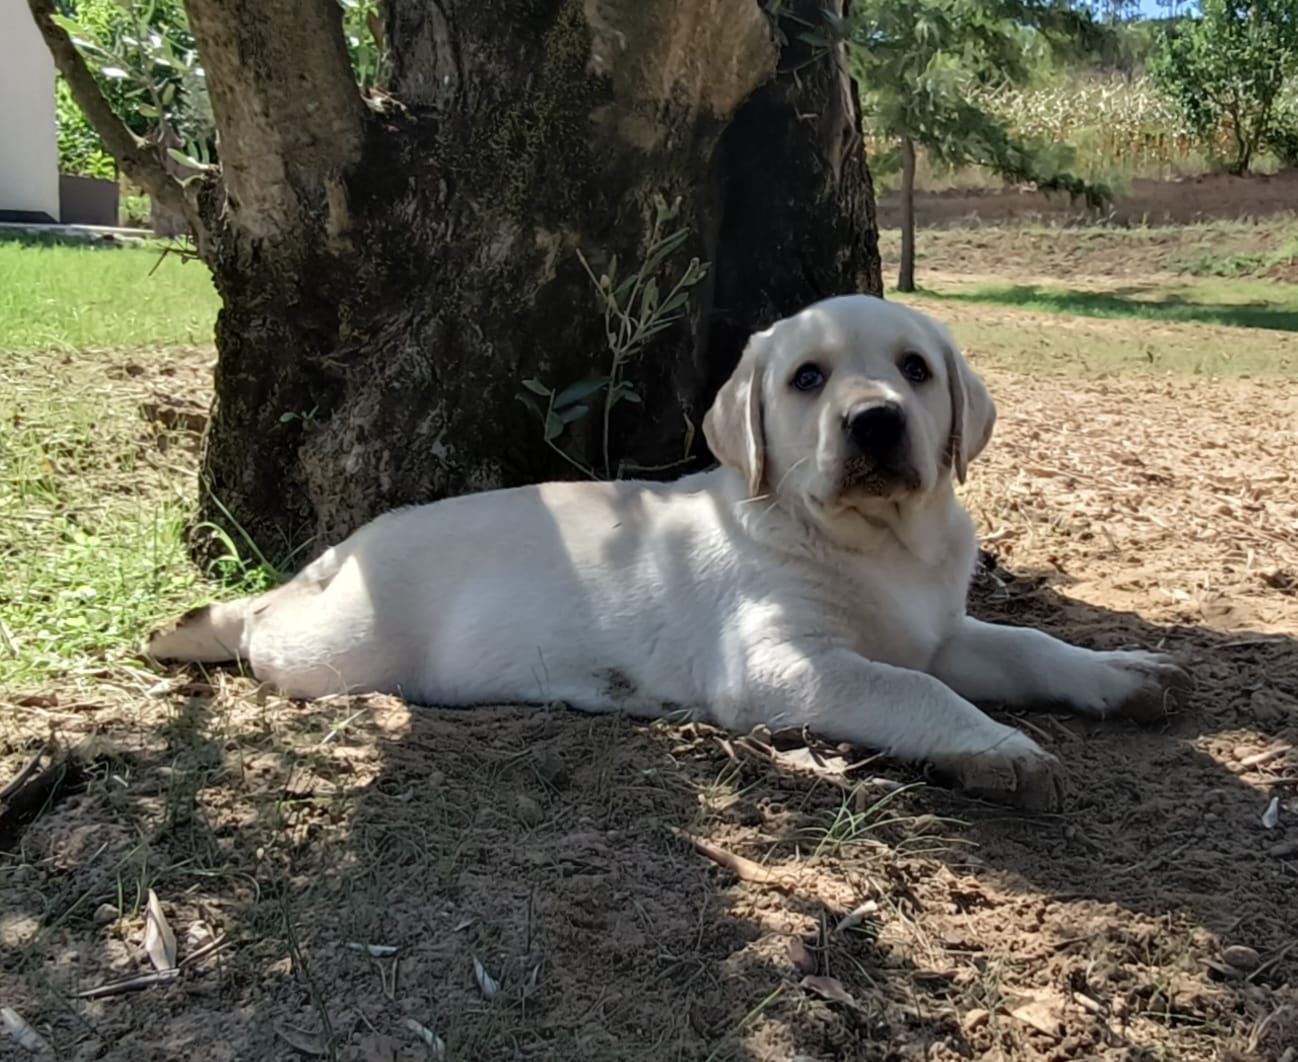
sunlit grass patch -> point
(61, 297)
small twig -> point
(1276, 956)
(135, 983)
(341, 727)
(214, 945)
(1027, 724)
(28, 769)
(1155, 860)
(301, 969)
(743, 868)
(1266, 756)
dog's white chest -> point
(900, 611)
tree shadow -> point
(73, 237)
(1124, 303)
(553, 848)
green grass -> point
(1214, 262)
(94, 497)
(92, 546)
(60, 297)
(1272, 306)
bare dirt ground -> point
(1188, 200)
(1153, 918)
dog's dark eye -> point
(915, 369)
(809, 377)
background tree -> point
(145, 64)
(397, 266)
(1228, 68)
(919, 61)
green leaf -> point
(553, 426)
(664, 248)
(624, 289)
(649, 299)
(185, 160)
(573, 413)
(576, 392)
(530, 403)
(689, 435)
(537, 388)
(675, 302)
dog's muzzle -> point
(877, 458)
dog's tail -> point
(213, 634)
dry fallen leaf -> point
(436, 1045)
(374, 951)
(159, 940)
(802, 959)
(1043, 1013)
(829, 988)
(24, 1034)
(1241, 957)
(309, 1043)
(488, 984)
(855, 917)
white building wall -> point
(29, 150)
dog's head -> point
(852, 405)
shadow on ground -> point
(552, 848)
(1128, 303)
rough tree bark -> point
(393, 267)
(906, 271)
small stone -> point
(974, 1019)
(1241, 956)
(530, 812)
(105, 914)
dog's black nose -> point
(876, 429)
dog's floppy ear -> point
(973, 414)
(733, 426)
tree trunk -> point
(402, 276)
(906, 273)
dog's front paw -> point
(1015, 770)
(1142, 686)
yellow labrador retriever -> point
(817, 578)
